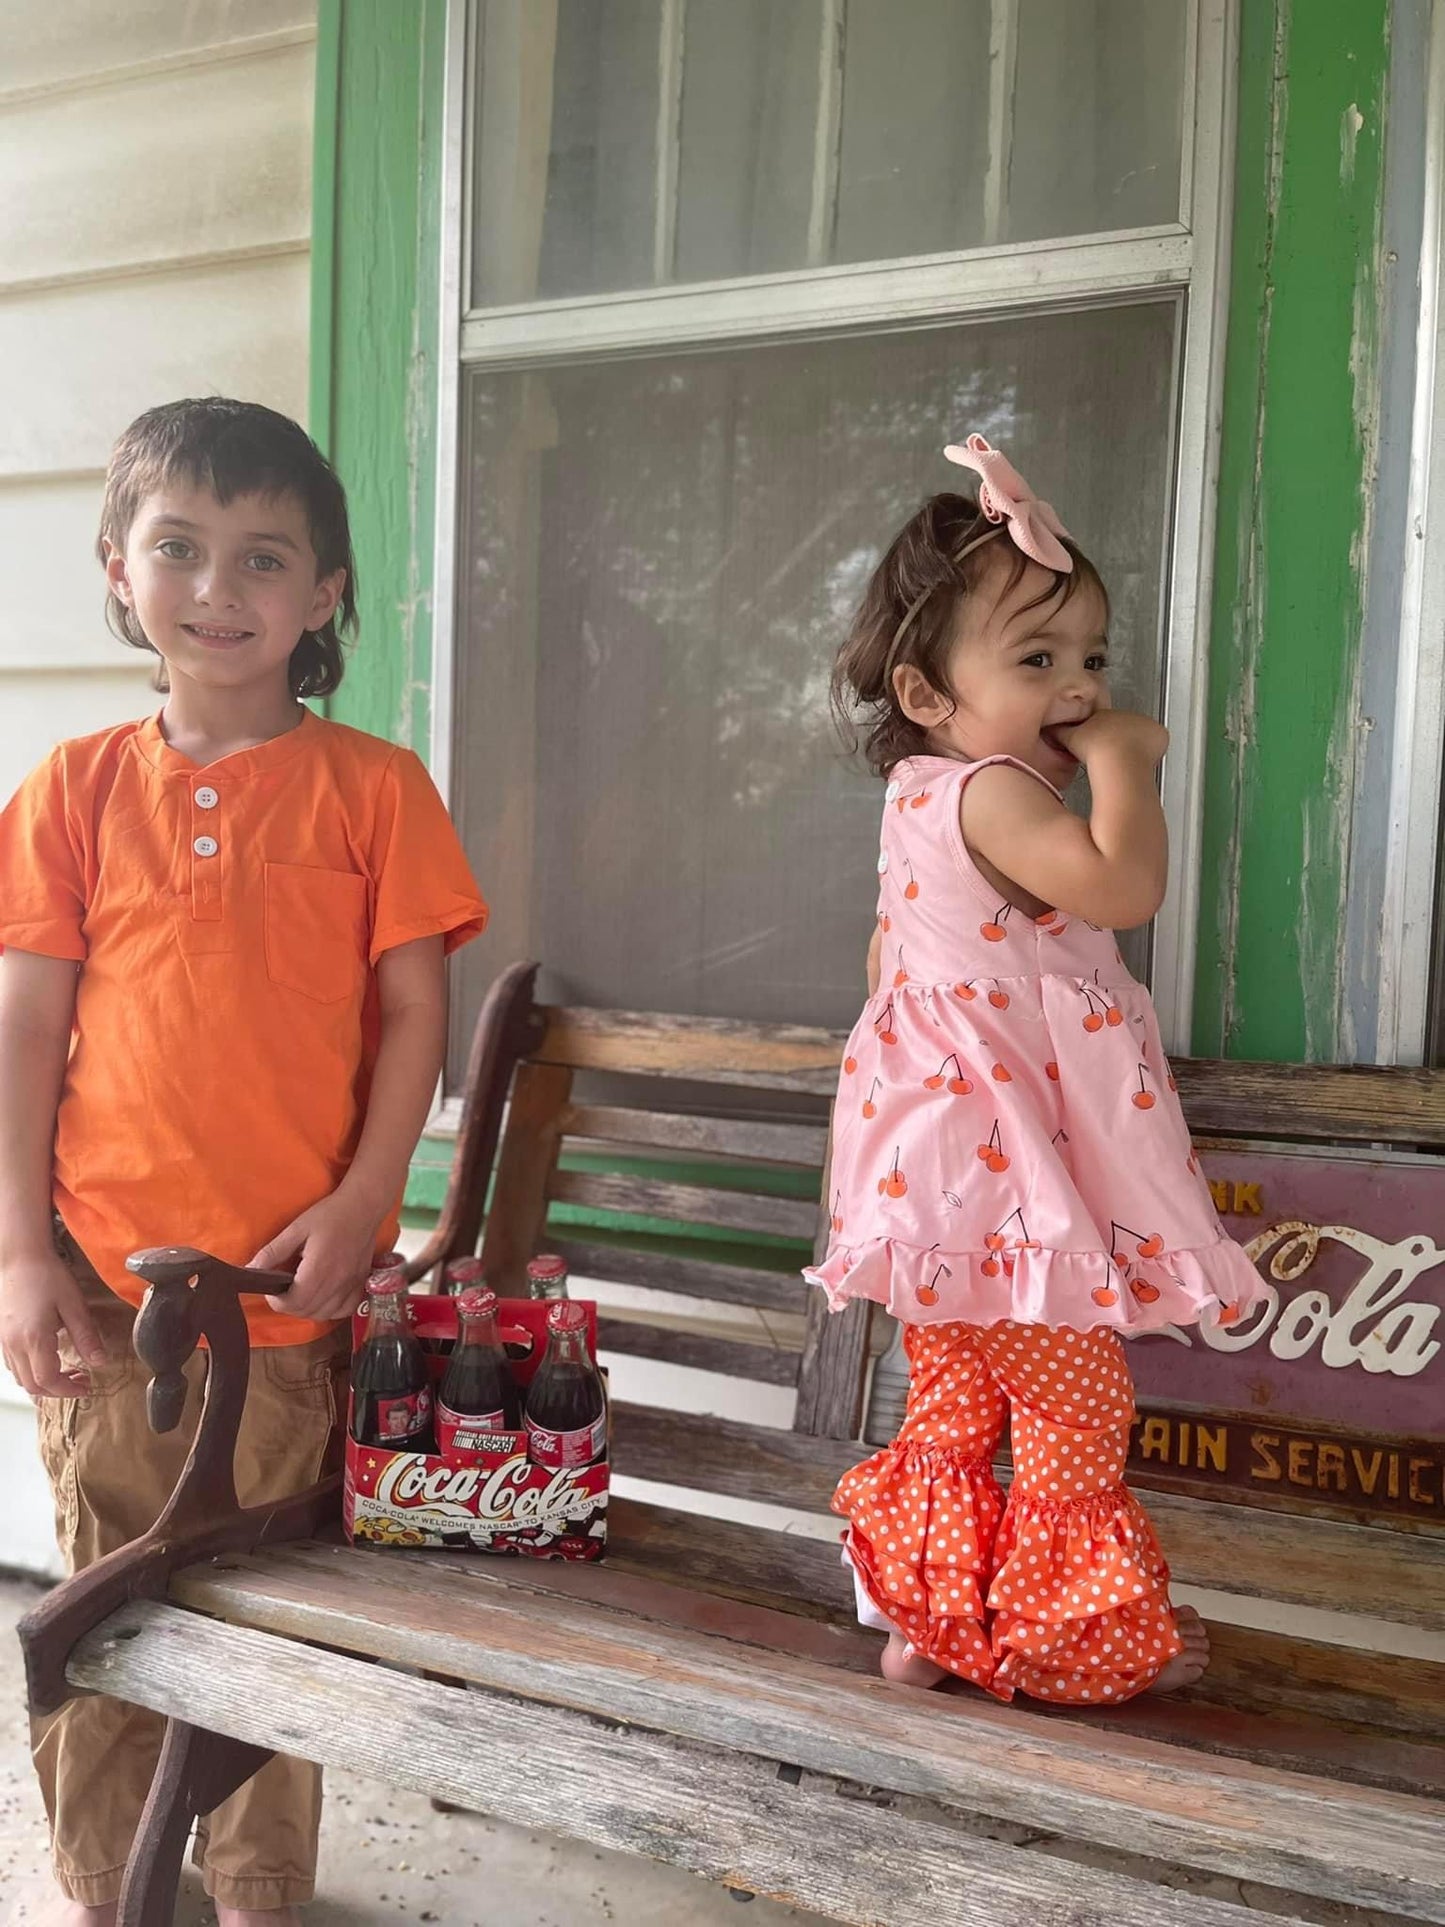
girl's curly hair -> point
(909, 614)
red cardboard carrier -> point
(504, 1503)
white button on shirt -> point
(206, 798)
(205, 846)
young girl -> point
(222, 1013)
(1011, 1175)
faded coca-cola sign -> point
(1352, 1329)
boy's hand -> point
(1115, 732)
(336, 1246)
(39, 1300)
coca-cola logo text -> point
(498, 1496)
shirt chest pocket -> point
(317, 931)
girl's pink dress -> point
(1007, 1139)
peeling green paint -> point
(374, 335)
(1297, 469)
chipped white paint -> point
(1351, 121)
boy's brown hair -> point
(909, 614)
(234, 448)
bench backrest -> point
(682, 1156)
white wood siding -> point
(155, 220)
(155, 216)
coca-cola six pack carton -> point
(517, 1491)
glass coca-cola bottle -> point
(479, 1396)
(547, 1276)
(458, 1275)
(566, 1406)
(390, 1391)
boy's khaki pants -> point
(111, 1476)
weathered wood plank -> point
(738, 1561)
(689, 1277)
(508, 1025)
(1306, 1561)
(780, 1057)
(724, 1455)
(834, 1369)
(701, 1351)
(1362, 1845)
(1251, 1671)
(1366, 1103)
(524, 1171)
(1294, 1682)
(756, 1139)
(730, 1817)
(685, 1203)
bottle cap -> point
(389, 1261)
(567, 1316)
(465, 1271)
(388, 1282)
(547, 1265)
(475, 1301)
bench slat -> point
(756, 1139)
(686, 1203)
(1369, 1847)
(724, 1455)
(1326, 1709)
(712, 1050)
(702, 1351)
(728, 1817)
(1367, 1103)
(689, 1277)
(1250, 1671)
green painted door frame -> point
(1301, 408)
(1297, 461)
(375, 277)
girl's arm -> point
(337, 1236)
(1111, 869)
(875, 953)
(39, 1297)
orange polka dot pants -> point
(1060, 1593)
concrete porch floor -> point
(386, 1856)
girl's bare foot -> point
(902, 1666)
(258, 1917)
(71, 1913)
(1186, 1667)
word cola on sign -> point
(1374, 1327)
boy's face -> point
(223, 591)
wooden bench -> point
(704, 1696)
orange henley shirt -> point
(227, 921)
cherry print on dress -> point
(965, 991)
(910, 889)
(1147, 1244)
(919, 801)
(992, 1153)
(837, 1215)
(894, 1184)
(1100, 1011)
(928, 1294)
(900, 975)
(996, 929)
(958, 1084)
(883, 1024)
(999, 997)
(1143, 1099)
(869, 1107)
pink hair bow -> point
(1004, 496)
